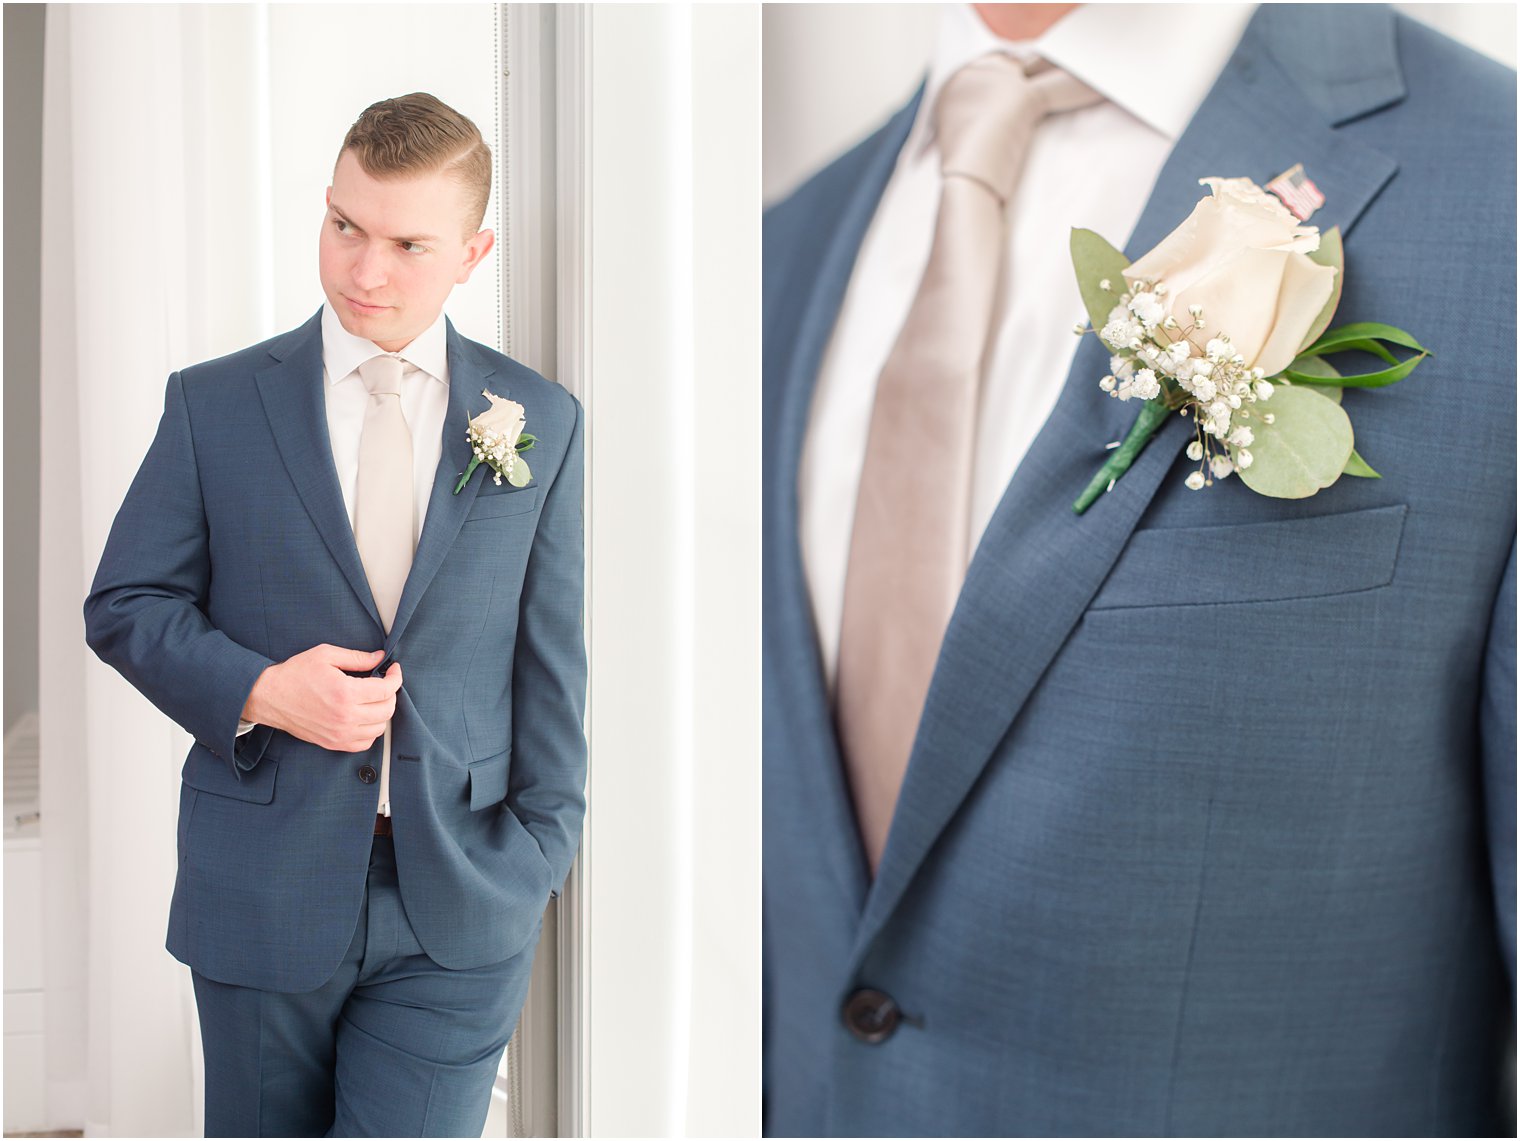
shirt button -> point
(367, 774)
(871, 1015)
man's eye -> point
(339, 223)
(416, 249)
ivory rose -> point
(504, 417)
(1243, 257)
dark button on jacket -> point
(871, 1015)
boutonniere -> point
(1226, 321)
(497, 438)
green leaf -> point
(1304, 449)
(1372, 347)
(1329, 253)
(1362, 379)
(526, 441)
(1094, 259)
(465, 478)
(1317, 367)
(520, 474)
(1346, 335)
(1358, 466)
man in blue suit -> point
(384, 671)
(1207, 826)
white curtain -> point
(185, 153)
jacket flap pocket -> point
(488, 780)
(205, 771)
(489, 505)
(1256, 562)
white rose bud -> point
(504, 418)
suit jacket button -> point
(871, 1015)
(367, 774)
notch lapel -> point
(291, 391)
(446, 511)
(295, 404)
(791, 641)
(1039, 564)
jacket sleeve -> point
(1496, 726)
(145, 615)
(548, 775)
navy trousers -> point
(393, 1045)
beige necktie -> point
(909, 546)
(384, 504)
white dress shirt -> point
(1093, 167)
(424, 403)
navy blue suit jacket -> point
(1209, 824)
(233, 551)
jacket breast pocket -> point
(1256, 562)
(205, 771)
(488, 780)
(492, 505)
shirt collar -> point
(342, 352)
(1106, 46)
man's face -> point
(391, 251)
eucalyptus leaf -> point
(520, 475)
(1304, 449)
(1358, 466)
(1094, 260)
(1330, 253)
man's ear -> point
(327, 200)
(475, 251)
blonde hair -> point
(418, 134)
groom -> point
(1203, 821)
(384, 672)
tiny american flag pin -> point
(1298, 194)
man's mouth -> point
(362, 307)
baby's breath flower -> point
(1194, 480)
(1195, 451)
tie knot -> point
(987, 112)
(382, 375)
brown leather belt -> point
(382, 824)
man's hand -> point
(311, 697)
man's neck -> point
(1021, 21)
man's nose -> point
(369, 268)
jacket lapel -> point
(291, 391)
(296, 407)
(791, 642)
(446, 511)
(1039, 564)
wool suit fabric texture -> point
(1209, 824)
(232, 551)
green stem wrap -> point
(1152, 413)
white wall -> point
(833, 72)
